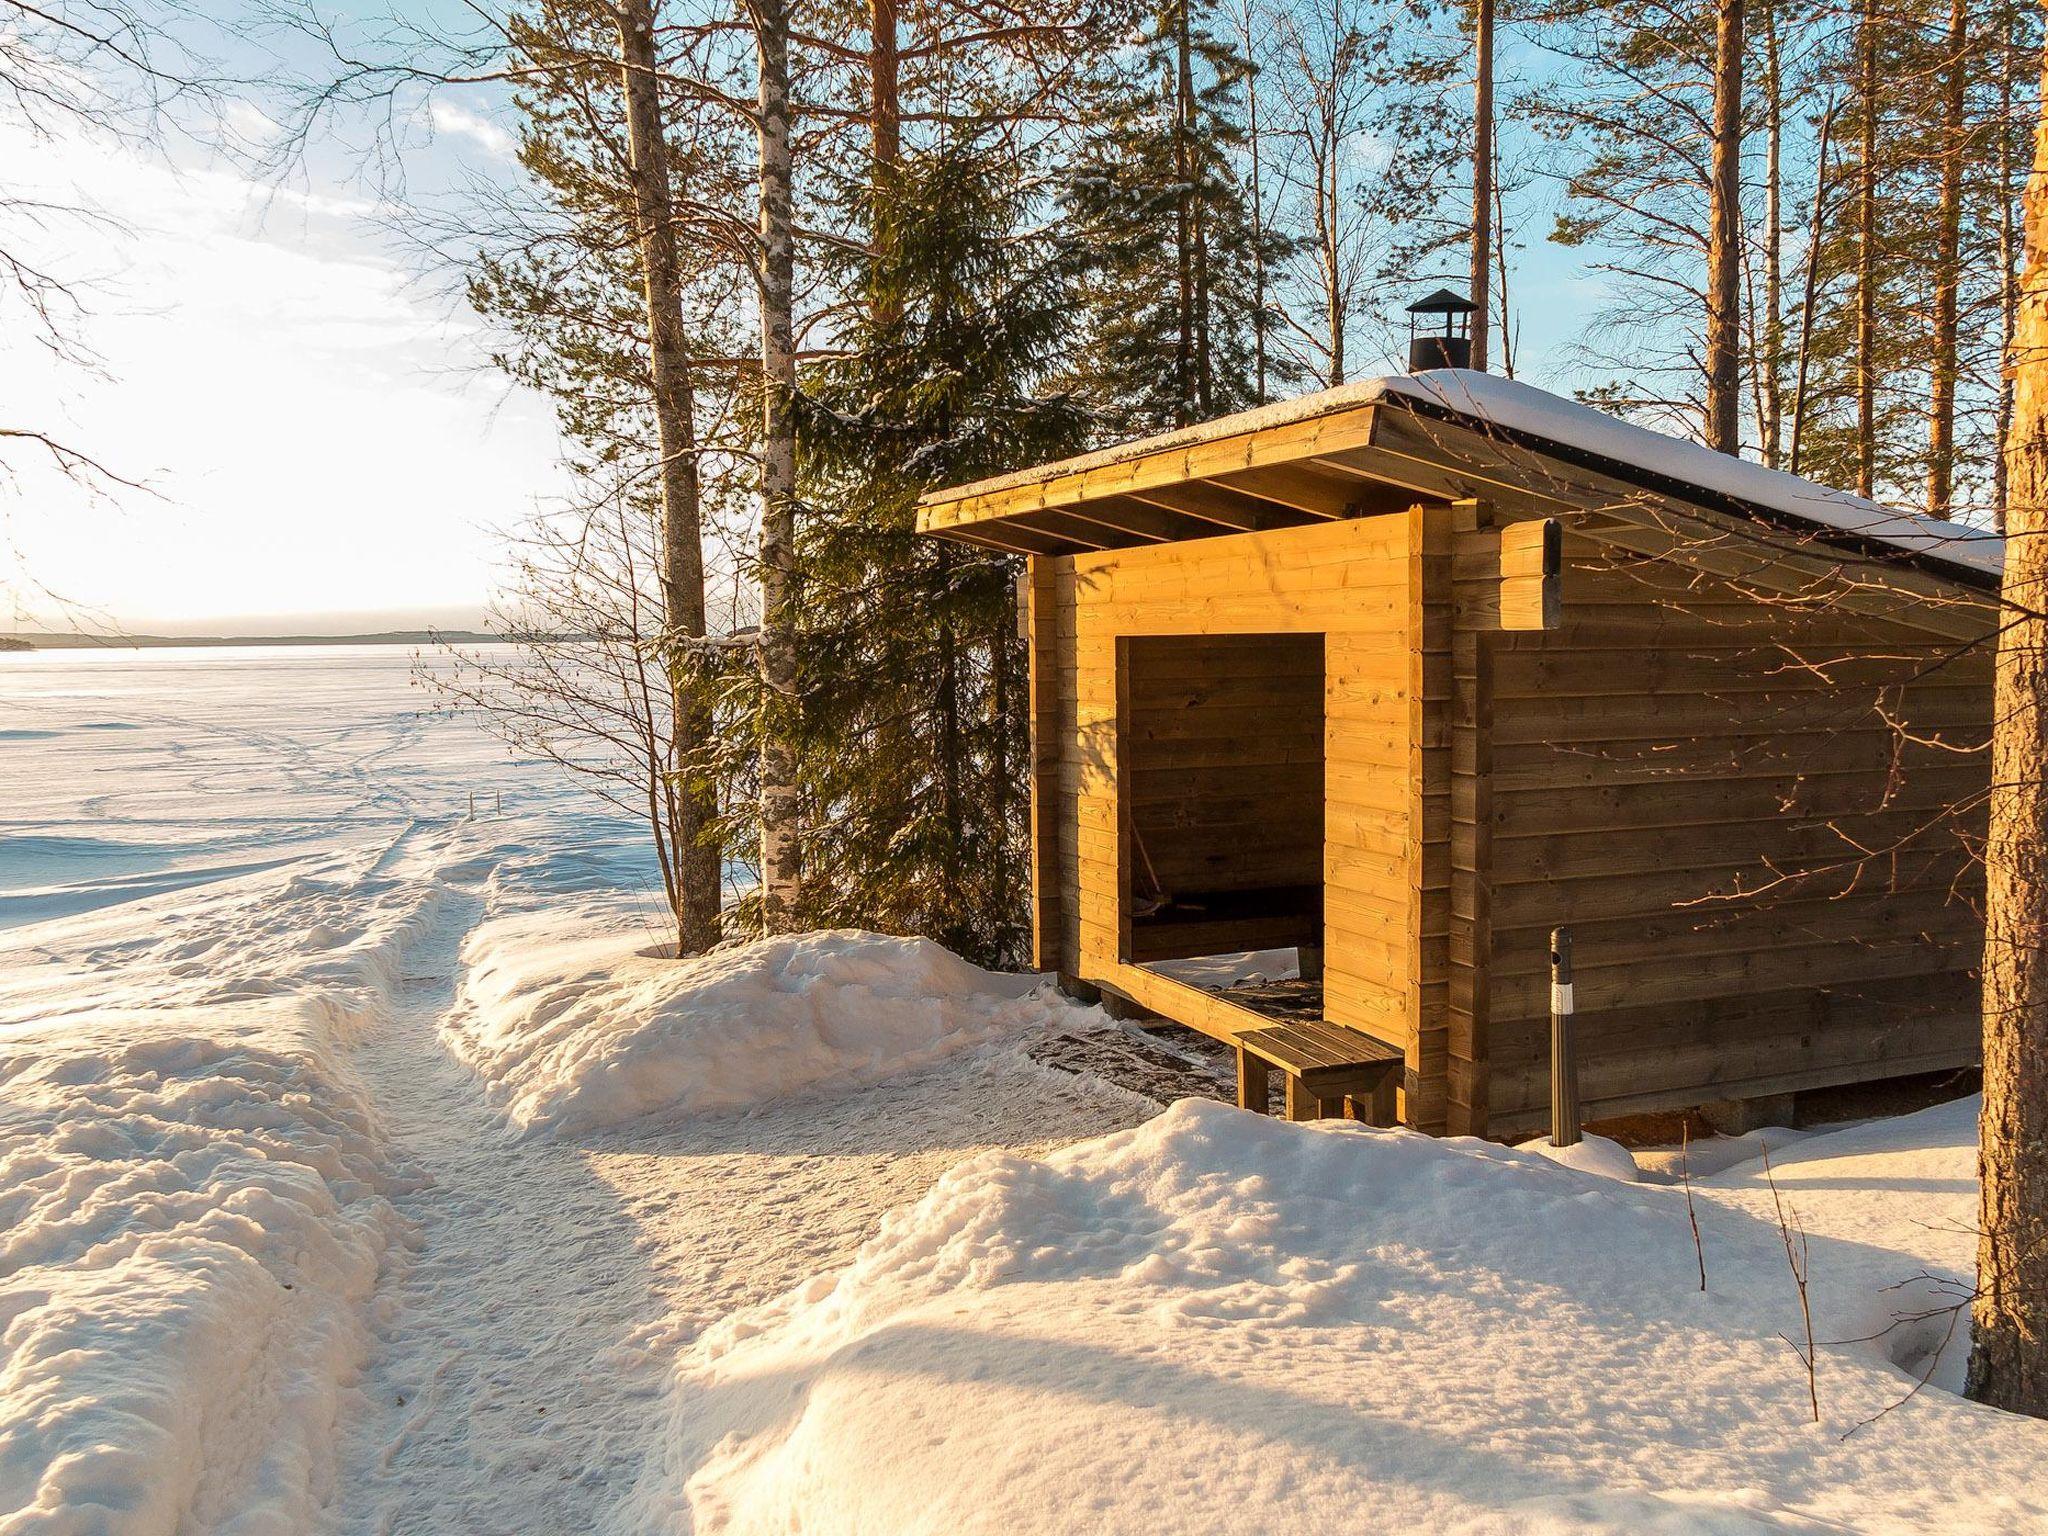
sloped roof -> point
(1544, 420)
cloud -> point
(250, 126)
(453, 118)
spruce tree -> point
(914, 745)
(1172, 291)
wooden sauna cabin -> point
(1400, 676)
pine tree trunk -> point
(884, 60)
(1866, 255)
(2008, 280)
(952, 764)
(780, 840)
(1254, 145)
(693, 862)
(1482, 178)
(2009, 1349)
(1771, 367)
(1724, 267)
(1011, 873)
(1948, 270)
(885, 128)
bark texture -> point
(1482, 177)
(1770, 366)
(781, 868)
(1724, 237)
(1948, 266)
(691, 863)
(2009, 1353)
(1866, 252)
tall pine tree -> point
(1172, 293)
(913, 750)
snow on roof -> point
(1551, 420)
(1536, 413)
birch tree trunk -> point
(2009, 1347)
(1328, 239)
(694, 885)
(1724, 235)
(1948, 268)
(1482, 177)
(1816, 224)
(781, 868)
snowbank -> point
(592, 1028)
(194, 1205)
(1589, 1154)
(1222, 1322)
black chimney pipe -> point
(1453, 349)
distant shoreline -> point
(40, 642)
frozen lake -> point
(130, 773)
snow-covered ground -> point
(273, 1256)
(1217, 1322)
(360, 1171)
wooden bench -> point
(1330, 1071)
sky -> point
(311, 415)
(324, 445)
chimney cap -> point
(1443, 302)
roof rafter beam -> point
(1294, 486)
(1147, 523)
(1011, 539)
(1219, 504)
(1074, 525)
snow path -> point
(496, 1398)
(527, 1345)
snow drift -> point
(578, 1032)
(194, 1203)
(1222, 1322)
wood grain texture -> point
(1189, 721)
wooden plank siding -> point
(1208, 717)
(1755, 815)
(1475, 585)
(1356, 583)
(1740, 764)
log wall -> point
(1358, 583)
(1757, 817)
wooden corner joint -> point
(1531, 563)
